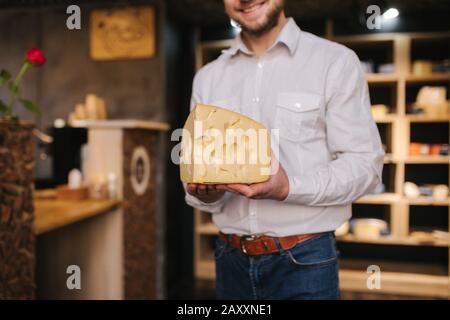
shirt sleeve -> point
(213, 207)
(353, 141)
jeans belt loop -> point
(277, 242)
(243, 246)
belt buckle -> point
(246, 238)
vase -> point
(17, 240)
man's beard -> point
(271, 22)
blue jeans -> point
(307, 271)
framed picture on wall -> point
(125, 33)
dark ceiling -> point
(207, 12)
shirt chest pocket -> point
(297, 115)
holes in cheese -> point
(230, 147)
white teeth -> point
(253, 8)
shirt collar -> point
(288, 36)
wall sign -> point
(140, 170)
(123, 33)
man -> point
(277, 239)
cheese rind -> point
(222, 146)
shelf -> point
(389, 36)
(389, 118)
(390, 198)
(382, 78)
(429, 35)
(409, 284)
(382, 198)
(425, 118)
(427, 201)
(391, 240)
(390, 158)
(364, 39)
(427, 159)
(428, 78)
(208, 229)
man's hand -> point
(205, 192)
(277, 187)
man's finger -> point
(212, 188)
(259, 188)
(243, 189)
(202, 189)
(254, 191)
(192, 188)
(224, 187)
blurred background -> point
(113, 89)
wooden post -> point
(129, 150)
(400, 219)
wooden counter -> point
(51, 214)
(87, 234)
(120, 249)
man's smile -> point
(253, 10)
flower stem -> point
(25, 66)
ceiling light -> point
(391, 13)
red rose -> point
(35, 56)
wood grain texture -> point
(122, 124)
(140, 253)
(53, 214)
(17, 241)
(127, 33)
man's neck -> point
(259, 44)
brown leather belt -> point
(258, 245)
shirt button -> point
(252, 213)
(260, 65)
(256, 99)
(298, 105)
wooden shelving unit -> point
(423, 119)
(382, 78)
(431, 281)
(382, 198)
(398, 283)
(427, 159)
(392, 240)
(389, 118)
(428, 78)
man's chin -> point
(257, 28)
(261, 24)
(254, 27)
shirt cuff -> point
(303, 189)
(212, 207)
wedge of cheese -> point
(221, 146)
